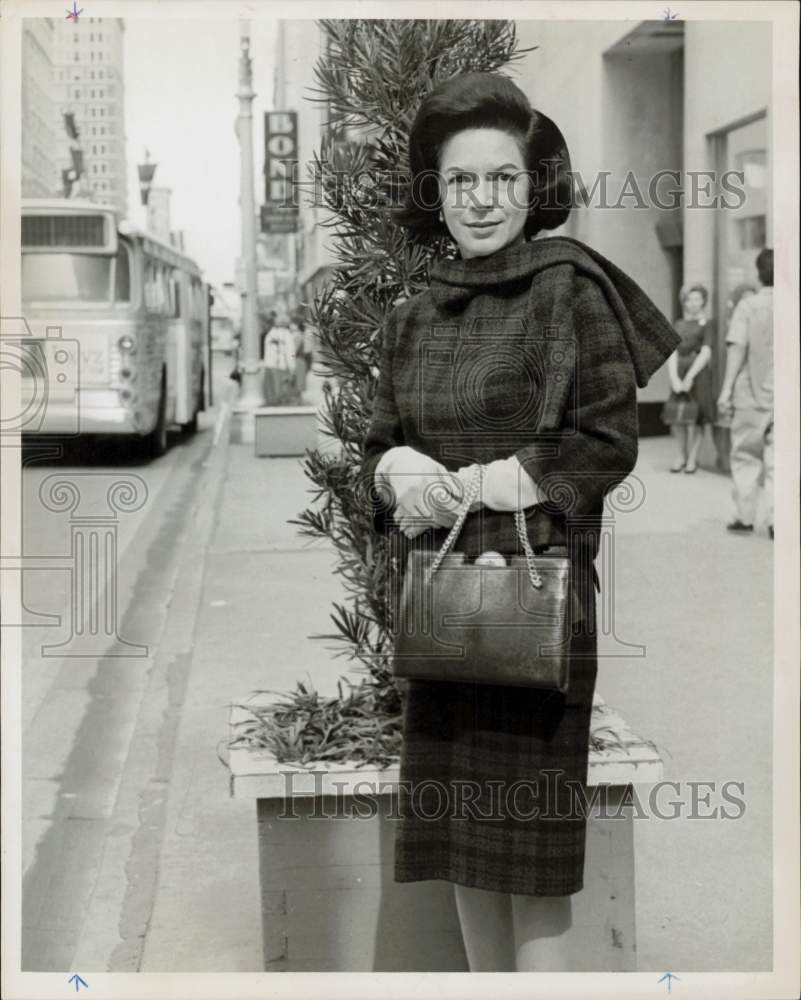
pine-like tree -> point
(373, 77)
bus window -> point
(150, 287)
(156, 294)
(164, 291)
(65, 277)
(197, 312)
(122, 281)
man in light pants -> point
(747, 396)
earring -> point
(441, 216)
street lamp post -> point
(251, 387)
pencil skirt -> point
(493, 788)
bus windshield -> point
(66, 277)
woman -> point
(523, 356)
(691, 376)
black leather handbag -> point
(491, 621)
(680, 409)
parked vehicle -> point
(120, 324)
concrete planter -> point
(282, 431)
(326, 846)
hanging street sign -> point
(279, 214)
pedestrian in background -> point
(302, 356)
(266, 323)
(691, 379)
(482, 164)
(746, 396)
(279, 364)
(722, 428)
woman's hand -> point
(677, 385)
(426, 494)
(725, 407)
(687, 384)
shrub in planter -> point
(373, 77)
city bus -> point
(120, 323)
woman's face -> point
(484, 189)
(693, 303)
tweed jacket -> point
(534, 351)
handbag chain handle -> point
(520, 524)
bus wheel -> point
(190, 427)
(156, 441)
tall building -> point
(89, 82)
(40, 178)
(685, 100)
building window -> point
(752, 232)
(100, 93)
(100, 56)
(94, 150)
(92, 56)
(76, 60)
(100, 37)
(91, 38)
(102, 130)
(102, 112)
(102, 168)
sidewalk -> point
(702, 692)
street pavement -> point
(175, 884)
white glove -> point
(426, 494)
(505, 485)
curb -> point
(116, 925)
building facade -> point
(299, 44)
(659, 112)
(90, 82)
(40, 178)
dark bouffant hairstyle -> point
(701, 289)
(764, 266)
(485, 100)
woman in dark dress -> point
(691, 376)
(522, 356)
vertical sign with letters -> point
(279, 214)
